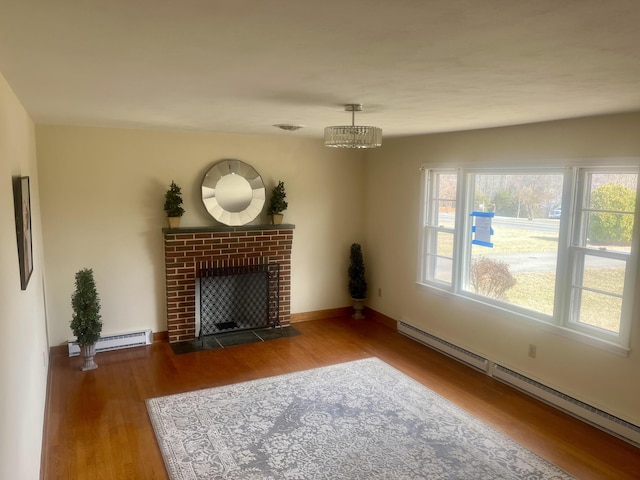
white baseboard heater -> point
(458, 353)
(116, 342)
(589, 414)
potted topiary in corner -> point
(173, 205)
(277, 204)
(85, 323)
(357, 282)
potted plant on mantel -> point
(277, 204)
(86, 322)
(357, 282)
(173, 205)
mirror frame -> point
(211, 197)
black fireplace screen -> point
(239, 298)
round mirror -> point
(233, 193)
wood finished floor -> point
(97, 425)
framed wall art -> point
(22, 205)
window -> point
(560, 249)
(440, 227)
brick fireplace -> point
(187, 250)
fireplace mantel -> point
(188, 249)
(224, 228)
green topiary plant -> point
(86, 323)
(357, 282)
(173, 201)
(277, 203)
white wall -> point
(23, 337)
(102, 197)
(595, 376)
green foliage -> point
(278, 203)
(173, 201)
(482, 199)
(612, 227)
(506, 203)
(357, 282)
(85, 323)
(491, 278)
(526, 195)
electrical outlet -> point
(532, 350)
(379, 291)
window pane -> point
(447, 218)
(610, 231)
(600, 310)
(600, 292)
(445, 201)
(440, 227)
(444, 262)
(620, 184)
(445, 244)
(447, 183)
(520, 269)
(443, 270)
(610, 210)
(606, 274)
(439, 262)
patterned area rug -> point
(355, 420)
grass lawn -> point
(535, 291)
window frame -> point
(429, 230)
(570, 257)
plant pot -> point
(88, 352)
(174, 222)
(358, 306)
(276, 218)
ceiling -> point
(417, 66)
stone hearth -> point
(187, 250)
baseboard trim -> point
(378, 317)
(369, 313)
(59, 350)
(320, 314)
(160, 337)
(46, 417)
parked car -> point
(555, 213)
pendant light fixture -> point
(352, 136)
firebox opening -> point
(226, 326)
(238, 298)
